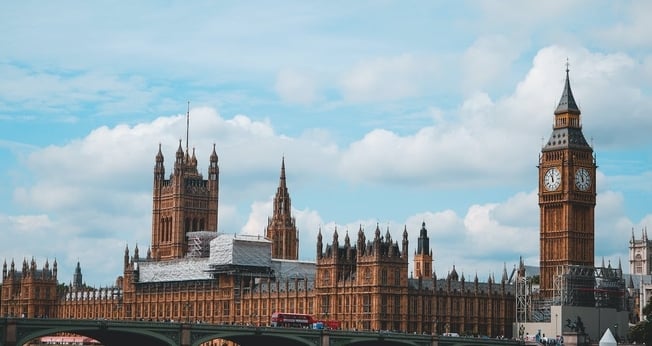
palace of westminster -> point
(193, 272)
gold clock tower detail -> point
(566, 194)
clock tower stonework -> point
(567, 195)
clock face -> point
(552, 179)
(583, 179)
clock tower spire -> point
(567, 194)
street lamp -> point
(616, 332)
(118, 305)
(186, 311)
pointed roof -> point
(282, 198)
(608, 339)
(283, 170)
(213, 154)
(567, 102)
(159, 155)
(423, 242)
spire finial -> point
(567, 102)
(187, 125)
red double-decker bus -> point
(284, 319)
(327, 324)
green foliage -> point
(642, 331)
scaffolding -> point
(573, 285)
(523, 299)
(587, 286)
(199, 243)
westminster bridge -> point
(20, 331)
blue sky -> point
(388, 113)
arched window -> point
(367, 275)
(326, 276)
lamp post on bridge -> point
(186, 311)
(616, 332)
(117, 308)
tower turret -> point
(182, 204)
(320, 245)
(77, 281)
(281, 227)
(159, 167)
(423, 255)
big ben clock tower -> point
(566, 194)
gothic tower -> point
(375, 269)
(281, 229)
(423, 256)
(640, 254)
(184, 203)
(566, 194)
(77, 281)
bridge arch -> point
(114, 337)
(18, 331)
(248, 339)
(105, 333)
(376, 340)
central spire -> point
(281, 227)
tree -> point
(642, 331)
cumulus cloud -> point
(475, 143)
(257, 221)
(97, 189)
(94, 192)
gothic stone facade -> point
(194, 273)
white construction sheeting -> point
(175, 270)
(241, 250)
(288, 269)
(226, 250)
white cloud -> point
(389, 78)
(476, 143)
(526, 15)
(66, 93)
(487, 61)
(480, 142)
(95, 192)
(296, 87)
(634, 30)
(257, 221)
